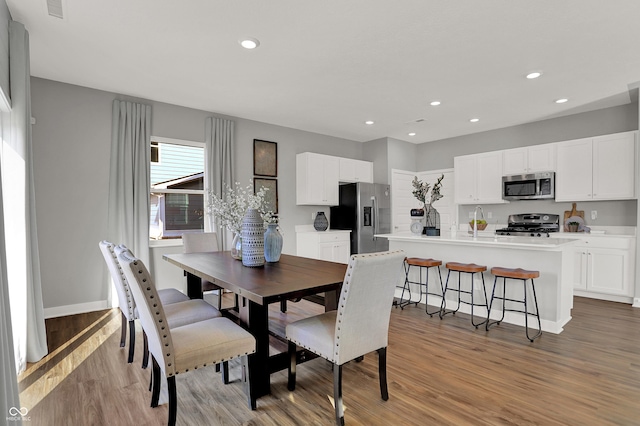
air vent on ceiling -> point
(417, 120)
(54, 7)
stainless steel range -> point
(531, 225)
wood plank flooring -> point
(442, 372)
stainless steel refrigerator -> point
(365, 210)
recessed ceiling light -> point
(562, 100)
(369, 122)
(474, 120)
(533, 75)
(412, 134)
(435, 103)
(249, 43)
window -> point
(155, 152)
(177, 188)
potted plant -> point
(573, 226)
(421, 192)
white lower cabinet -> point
(334, 246)
(604, 266)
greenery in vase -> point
(230, 208)
(421, 192)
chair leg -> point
(145, 350)
(283, 305)
(382, 372)
(173, 400)
(337, 394)
(220, 293)
(155, 379)
(225, 372)
(123, 330)
(291, 383)
(132, 340)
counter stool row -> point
(472, 269)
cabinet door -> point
(325, 251)
(489, 178)
(514, 161)
(541, 158)
(580, 269)
(465, 179)
(331, 173)
(364, 171)
(607, 272)
(342, 251)
(355, 170)
(574, 170)
(614, 166)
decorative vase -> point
(321, 223)
(432, 221)
(252, 239)
(272, 243)
(236, 246)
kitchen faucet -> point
(475, 220)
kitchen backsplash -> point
(609, 213)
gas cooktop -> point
(531, 225)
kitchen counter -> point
(484, 239)
(553, 257)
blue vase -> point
(272, 243)
(252, 239)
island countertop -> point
(463, 238)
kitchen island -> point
(553, 257)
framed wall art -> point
(271, 196)
(265, 158)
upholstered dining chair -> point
(177, 350)
(199, 242)
(125, 299)
(359, 326)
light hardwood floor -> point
(441, 372)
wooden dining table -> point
(293, 277)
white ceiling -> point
(327, 66)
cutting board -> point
(571, 213)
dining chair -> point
(202, 242)
(360, 324)
(177, 350)
(125, 299)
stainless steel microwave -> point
(533, 186)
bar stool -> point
(515, 274)
(469, 268)
(421, 264)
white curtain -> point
(19, 71)
(219, 156)
(9, 397)
(129, 178)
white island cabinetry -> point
(553, 257)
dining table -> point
(292, 277)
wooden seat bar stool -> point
(420, 264)
(524, 276)
(467, 268)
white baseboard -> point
(636, 302)
(80, 308)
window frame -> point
(160, 140)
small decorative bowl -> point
(481, 226)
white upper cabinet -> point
(355, 170)
(598, 168)
(317, 179)
(478, 178)
(531, 159)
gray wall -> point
(71, 149)
(5, 17)
(439, 154)
(387, 154)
